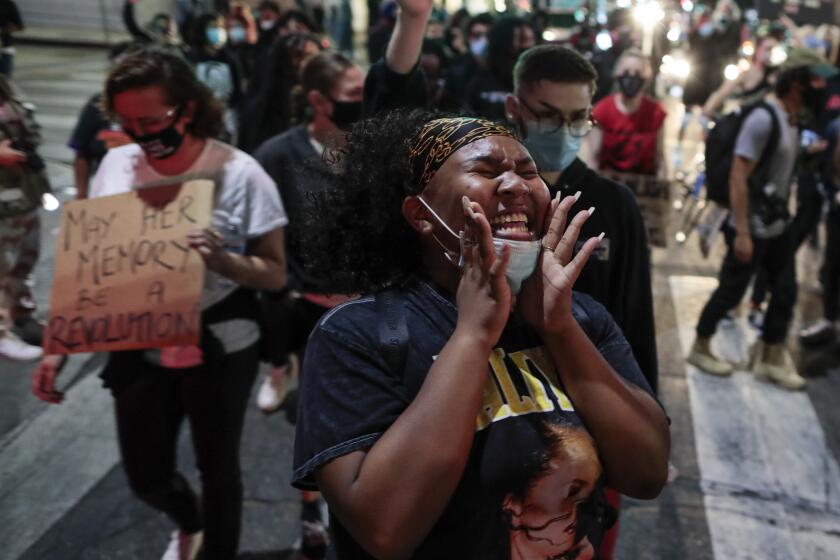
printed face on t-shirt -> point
(544, 523)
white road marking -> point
(52, 462)
(771, 486)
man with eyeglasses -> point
(551, 106)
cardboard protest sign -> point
(653, 195)
(813, 12)
(125, 277)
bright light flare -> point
(674, 32)
(603, 40)
(743, 65)
(500, 6)
(687, 5)
(623, 3)
(748, 48)
(731, 72)
(649, 14)
(778, 55)
(549, 35)
(50, 202)
(676, 66)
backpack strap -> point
(393, 330)
(773, 140)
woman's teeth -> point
(513, 229)
(518, 222)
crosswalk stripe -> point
(771, 486)
(49, 464)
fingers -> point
(43, 384)
(482, 231)
(499, 267)
(557, 223)
(574, 268)
(566, 247)
(206, 241)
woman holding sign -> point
(173, 120)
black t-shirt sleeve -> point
(386, 89)
(348, 398)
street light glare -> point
(731, 72)
(603, 40)
(549, 35)
(674, 33)
(649, 13)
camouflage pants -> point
(20, 242)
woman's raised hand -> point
(483, 297)
(546, 297)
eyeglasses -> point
(146, 124)
(555, 121)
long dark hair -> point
(157, 67)
(354, 234)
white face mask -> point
(523, 254)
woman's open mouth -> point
(511, 225)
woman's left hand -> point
(546, 297)
(211, 246)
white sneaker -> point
(183, 546)
(820, 332)
(277, 385)
(13, 348)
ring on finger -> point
(547, 247)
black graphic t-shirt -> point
(531, 485)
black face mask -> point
(630, 84)
(161, 144)
(345, 113)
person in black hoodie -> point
(551, 106)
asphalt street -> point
(757, 466)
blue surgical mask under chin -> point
(524, 255)
(552, 150)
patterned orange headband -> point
(440, 138)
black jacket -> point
(618, 274)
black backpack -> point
(720, 150)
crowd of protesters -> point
(416, 248)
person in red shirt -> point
(629, 136)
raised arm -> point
(407, 40)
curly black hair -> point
(354, 235)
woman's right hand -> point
(483, 297)
(44, 376)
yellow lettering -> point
(545, 367)
(535, 385)
(493, 407)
